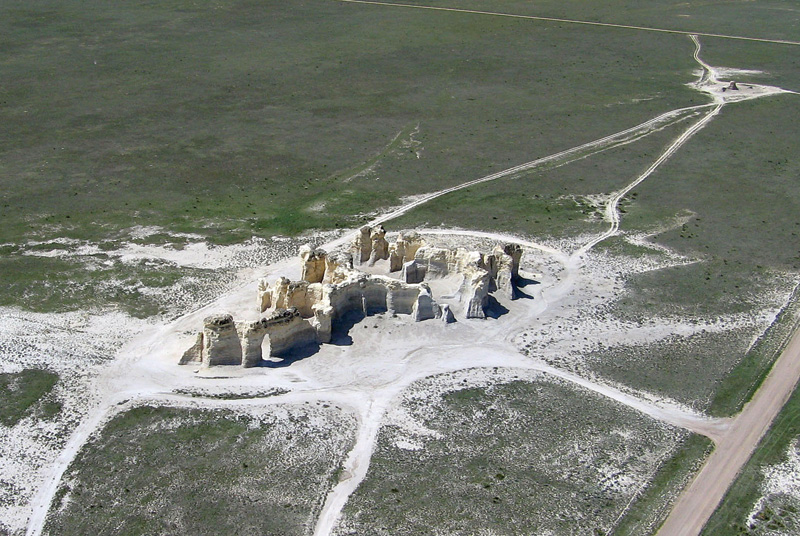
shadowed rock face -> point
(305, 311)
(507, 262)
(195, 353)
(413, 272)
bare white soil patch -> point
(77, 346)
(777, 511)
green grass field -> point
(489, 462)
(180, 471)
(239, 118)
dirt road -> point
(696, 504)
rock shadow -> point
(291, 356)
(340, 332)
(494, 309)
(521, 283)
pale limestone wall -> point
(425, 307)
(221, 344)
(313, 261)
(362, 245)
(287, 336)
(283, 330)
(401, 300)
(380, 247)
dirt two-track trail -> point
(140, 374)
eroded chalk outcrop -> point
(285, 330)
(221, 344)
(304, 312)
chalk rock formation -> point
(314, 263)
(475, 290)
(337, 267)
(482, 274)
(362, 245)
(221, 344)
(304, 312)
(413, 272)
(264, 295)
(447, 314)
(506, 268)
(425, 307)
(380, 247)
(403, 250)
(284, 330)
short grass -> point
(688, 369)
(777, 518)
(738, 176)
(745, 379)
(487, 463)
(736, 180)
(247, 134)
(774, 19)
(703, 289)
(22, 393)
(551, 201)
(179, 471)
(653, 505)
(66, 284)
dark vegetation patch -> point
(232, 395)
(493, 465)
(175, 471)
(25, 392)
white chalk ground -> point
(781, 484)
(112, 361)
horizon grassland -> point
(151, 150)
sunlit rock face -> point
(221, 344)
